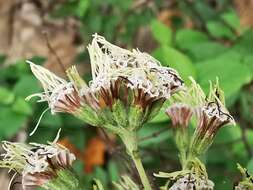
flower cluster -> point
(127, 88)
(210, 112)
(38, 164)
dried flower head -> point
(61, 95)
(213, 114)
(37, 163)
(127, 88)
(192, 182)
(109, 62)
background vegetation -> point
(200, 38)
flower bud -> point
(180, 114)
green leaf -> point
(113, 171)
(65, 9)
(228, 67)
(219, 30)
(172, 58)
(123, 5)
(6, 96)
(245, 109)
(78, 167)
(21, 106)
(42, 135)
(11, 122)
(238, 150)
(212, 153)
(77, 137)
(228, 134)
(205, 50)
(232, 19)
(186, 38)
(248, 60)
(161, 32)
(204, 10)
(250, 166)
(82, 7)
(244, 44)
(96, 23)
(38, 60)
(22, 67)
(26, 86)
(72, 122)
(160, 117)
(50, 120)
(101, 175)
(249, 136)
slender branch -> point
(129, 138)
(51, 49)
(154, 135)
(138, 163)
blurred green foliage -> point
(217, 46)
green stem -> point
(181, 140)
(183, 158)
(138, 164)
(130, 140)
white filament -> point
(37, 125)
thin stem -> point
(129, 138)
(139, 166)
(181, 139)
(183, 158)
(51, 49)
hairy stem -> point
(130, 140)
(138, 164)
